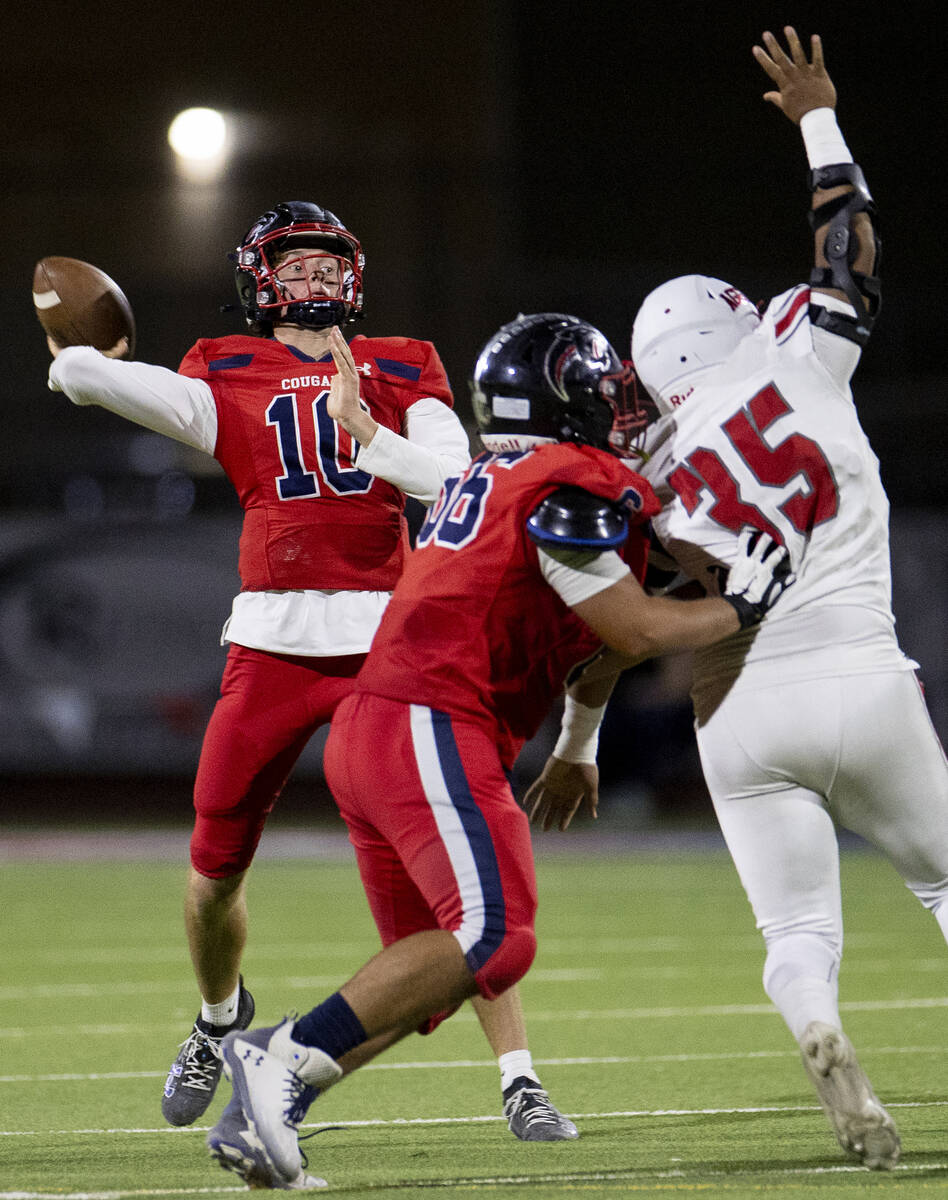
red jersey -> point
(312, 519)
(473, 627)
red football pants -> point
(440, 841)
(270, 706)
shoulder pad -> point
(571, 516)
(410, 349)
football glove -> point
(760, 575)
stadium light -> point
(199, 138)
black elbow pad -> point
(841, 248)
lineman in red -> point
(516, 580)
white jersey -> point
(771, 438)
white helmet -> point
(683, 327)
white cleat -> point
(275, 1079)
(305, 1181)
(861, 1124)
(234, 1144)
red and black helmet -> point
(262, 296)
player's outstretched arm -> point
(805, 94)
(154, 397)
(638, 626)
(641, 626)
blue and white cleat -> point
(234, 1144)
(275, 1080)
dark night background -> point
(493, 158)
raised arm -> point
(846, 248)
(434, 445)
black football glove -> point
(760, 575)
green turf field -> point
(645, 1008)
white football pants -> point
(782, 764)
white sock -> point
(800, 977)
(224, 1013)
(513, 1064)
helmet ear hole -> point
(686, 326)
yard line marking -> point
(282, 950)
(585, 1014)
(713, 1010)
(204, 1191)
(456, 1063)
(397, 1122)
(733, 941)
(54, 991)
(549, 946)
(374, 1122)
(99, 955)
(538, 975)
(642, 1178)
(474, 1182)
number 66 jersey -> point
(770, 438)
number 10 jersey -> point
(312, 519)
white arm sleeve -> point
(838, 355)
(434, 447)
(576, 575)
(155, 397)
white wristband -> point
(579, 733)
(824, 143)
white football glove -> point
(760, 575)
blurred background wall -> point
(493, 158)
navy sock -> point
(331, 1027)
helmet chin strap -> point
(335, 319)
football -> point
(79, 305)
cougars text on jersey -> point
(312, 518)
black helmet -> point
(549, 377)
(262, 296)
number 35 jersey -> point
(282, 451)
(771, 438)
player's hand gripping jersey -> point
(771, 438)
(282, 450)
(473, 627)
